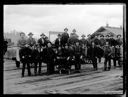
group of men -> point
(68, 50)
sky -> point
(42, 18)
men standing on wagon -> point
(65, 37)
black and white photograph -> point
(64, 48)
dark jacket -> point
(102, 41)
(92, 52)
(58, 43)
(49, 55)
(107, 51)
(83, 41)
(41, 43)
(97, 41)
(64, 38)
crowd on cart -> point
(68, 50)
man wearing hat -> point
(119, 40)
(22, 42)
(42, 45)
(89, 40)
(65, 37)
(83, 40)
(78, 53)
(96, 40)
(41, 41)
(58, 41)
(31, 41)
(102, 40)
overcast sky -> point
(44, 18)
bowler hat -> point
(83, 35)
(65, 29)
(101, 35)
(59, 34)
(118, 35)
(74, 30)
(107, 35)
(30, 33)
(42, 34)
(21, 33)
(89, 35)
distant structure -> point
(12, 36)
(107, 30)
(53, 33)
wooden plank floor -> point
(86, 82)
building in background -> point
(107, 30)
(53, 35)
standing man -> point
(50, 56)
(20, 44)
(107, 56)
(92, 52)
(42, 45)
(58, 41)
(23, 53)
(65, 37)
(78, 53)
